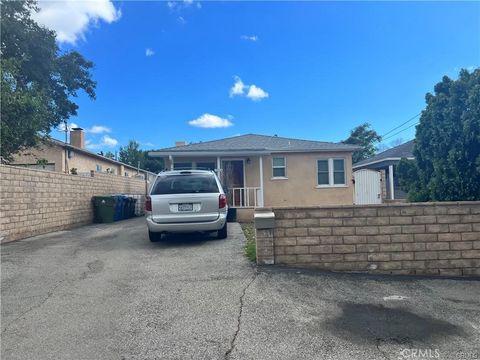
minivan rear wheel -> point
(222, 233)
(154, 236)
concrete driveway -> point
(106, 292)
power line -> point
(399, 126)
(398, 132)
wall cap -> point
(392, 205)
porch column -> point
(260, 201)
(170, 157)
(390, 181)
(218, 165)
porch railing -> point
(244, 197)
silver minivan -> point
(184, 201)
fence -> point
(36, 201)
(423, 238)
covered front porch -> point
(241, 175)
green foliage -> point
(133, 155)
(37, 81)
(365, 137)
(250, 247)
(73, 171)
(447, 144)
(110, 155)
(42, 162)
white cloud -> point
(178, 5)
(238, 87)
(149, 52)
(99, 129)
(107, 141)
(71, 19)
(210, 121)
(181, 20)
(147, 144)
(249, 37)
(70, 126)
(256, 94)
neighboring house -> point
(386, 162)
(263, 170)
(57, 156)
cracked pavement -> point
(105, 292)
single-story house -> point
(55, 155)
(259, 170)
(386, 162)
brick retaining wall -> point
(420, 238)
(34, 202)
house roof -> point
(253, 143)
(404, 150)
(95, 155)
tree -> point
(37, 81)
(365, 137)
(447, 144)
(154, 165)
(132, 155)
(110, 155)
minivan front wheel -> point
(154, 236)
(222, 233)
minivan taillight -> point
(222, 201)
(148, 203)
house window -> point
(323, 177)
(331, 172)
(182, 166)
(338, 171)
(279, 166)
(99, 168)
(205, 166)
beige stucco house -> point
(57, 156)
(263, 170)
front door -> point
(233, 181)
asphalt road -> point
(106, 292)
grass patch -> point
(250, 247)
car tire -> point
(154, 236)
(222, 233)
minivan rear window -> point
(185, 184)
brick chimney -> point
(180, 143)
(77, 138)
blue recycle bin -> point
(119, 207)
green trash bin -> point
(104, 209)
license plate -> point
(185, 207)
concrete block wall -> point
(421, 238)
(34, 202)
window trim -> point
(331, 172)
(284, 167)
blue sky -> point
(310, 70)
